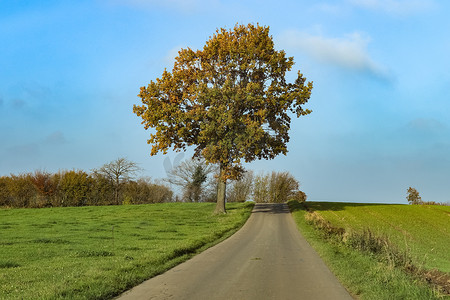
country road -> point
(267, 259)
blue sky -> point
(70, 72)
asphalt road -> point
(267, 259)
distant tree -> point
(118, 172)
(102, 191)
(283, 186)
(74, 188)
(5, 196)
(45, 185)
(160, 192)
(192, 176)
(229, 100)
(144, 190)
(277, 187)
(241, 189)
(198, 178)
(413, 196)
(300, 196)
(261, 188)
(22, 190)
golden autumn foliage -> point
(229, 100)
(77, 188)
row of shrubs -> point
(77, 188)
(112, 184)
(274, 187)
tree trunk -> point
(221, 193)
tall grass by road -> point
(99, 252)
(422, 230)
(411, 233)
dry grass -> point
(380, 246)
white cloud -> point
(349, 52)
(401, 7)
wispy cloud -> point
(18, 103)
(36, 91)
(23, 150)
(427, 128)
(348, 52)
(399, 7)
(55, 138)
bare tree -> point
(241, 189)
(283, 186)
(192, 175)
(261, 186)
(277, 187)
(118, 172)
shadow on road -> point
(271, 208)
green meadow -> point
(99, 252)
(423, 232)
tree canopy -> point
(230, 101)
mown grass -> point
(99, 252)
(363, 274)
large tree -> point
(230, 101)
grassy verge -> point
(361, 272)
(99, 252)
(422, 230)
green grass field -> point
(425, 230)
(98, 252)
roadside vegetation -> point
(274, 187)
(99, 252)
(198, 183)
(381, 251)
(112, 184)
(116, 183)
